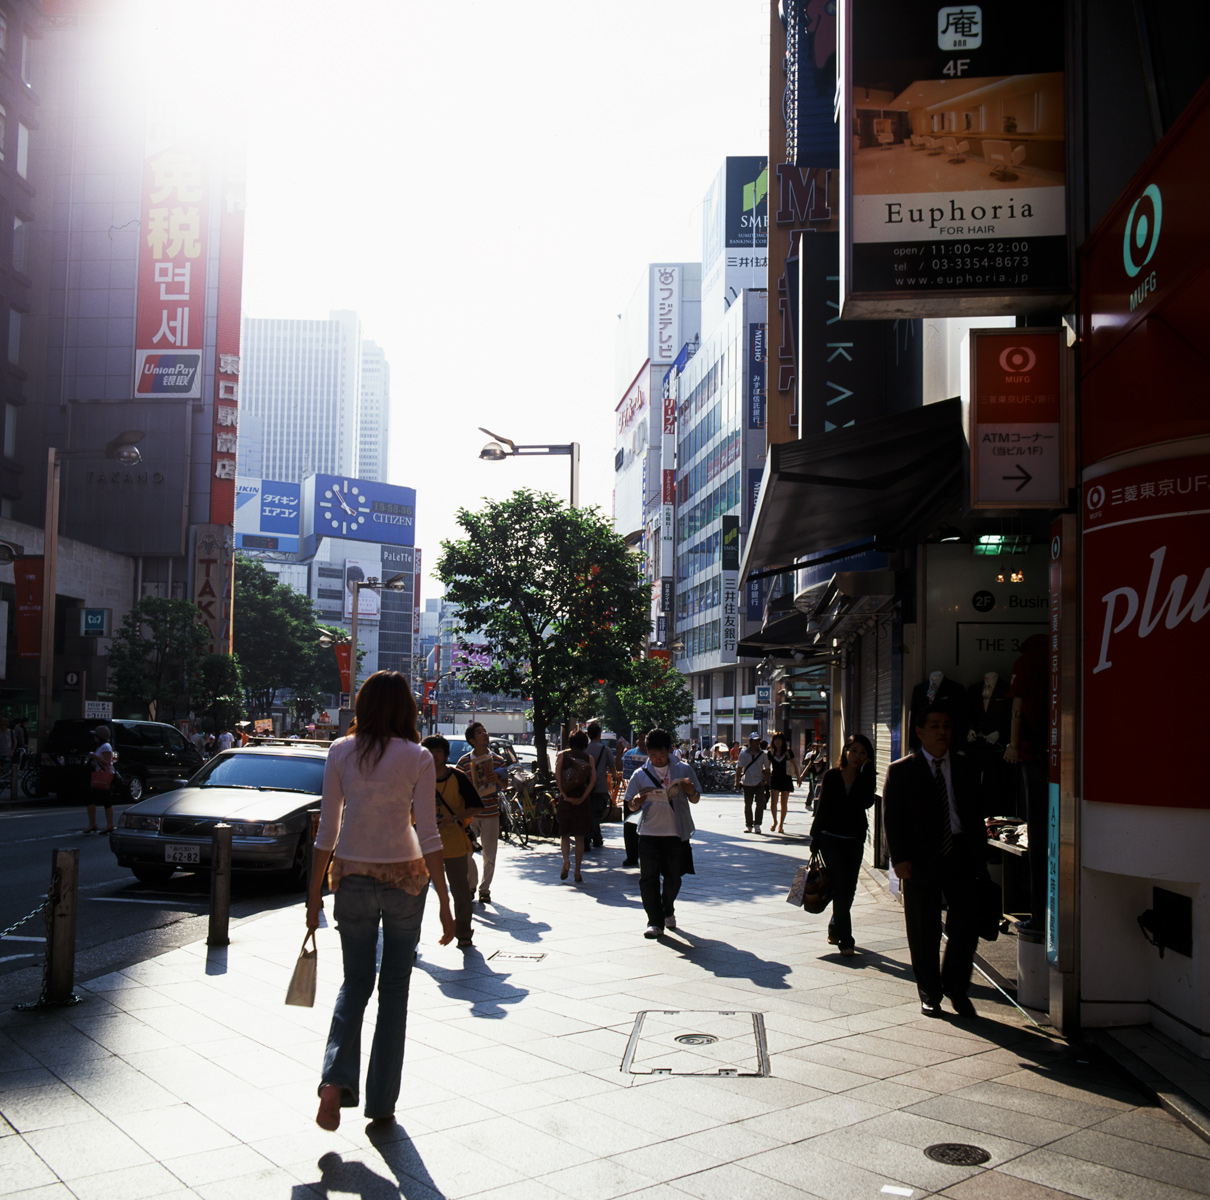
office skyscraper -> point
(374, 425)
(302, 381)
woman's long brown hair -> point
(385, 709)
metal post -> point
(574, 450)
(61, 930)
(220, 886)
(50, 551)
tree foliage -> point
(656, 697)
(155, 656)
(218, 700)
(277, 634)
(553, 592)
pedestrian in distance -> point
(661, 792)
(100, 759)
(838, 832)
(576, 776)
(489, 773)
(457, 804)
(937, 841)
(602, 761)
(752, 776)
(378, 821)
(7, 749)
(781, 766)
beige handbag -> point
(302, 983)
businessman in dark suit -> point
(937, 841)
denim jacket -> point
(680, 802)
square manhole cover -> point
(515, 955)
(697, 1042)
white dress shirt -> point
(955, 820)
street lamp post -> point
(396, 583)
(501, 447)
(123, 449)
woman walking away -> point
(457, 805)
(839, 831)
(781, 764)
(575, 773)
(663, 790)
(376, 783)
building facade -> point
(374, 416)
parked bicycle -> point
(513, 826)
(537, 798)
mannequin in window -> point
(941, 691)
(991, 718)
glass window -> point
(22, 151)
(26, 67)
(3, 128)
(3, 33)
(14, 336)
(10, 431)
(20, 239)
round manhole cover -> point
(957, 1154)
(696, 1039)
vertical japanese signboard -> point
(1016, 432)
(665, 314)
(953, 135)
(730, 563)
(170, 323)
(757, 370)
(213, 583)
(227, 341)
(27, 579)
(1146, 596)
(416, 604)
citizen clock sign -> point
(359, 510)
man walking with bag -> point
(752, 774)
(937, 839)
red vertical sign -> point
(27, 575)
(170, 316)
(227, 341)
(416, 604)
(344, 663)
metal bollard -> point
(61, 927)
(220, 886)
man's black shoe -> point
(929, 1009)
(630, 862)
(963, 1006)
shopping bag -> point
(817, 892)
(798, 887)
(100, 779)
(302, 983)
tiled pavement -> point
(186, 1075)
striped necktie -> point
(943, 803)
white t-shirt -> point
(659, 820)
(225, 741)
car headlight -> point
(245, 828)
(275, 828)
(131, 820)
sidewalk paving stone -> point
(186, 1076)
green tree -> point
(555, 595)
(155, 656)
(276, 633)
(656, 697)
(218, 700)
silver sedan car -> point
(266, 793)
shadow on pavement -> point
(412, 1180)
(485, 990)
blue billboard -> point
(359, 510)
(267, 514)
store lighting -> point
(1001, 543)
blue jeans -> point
(361, 903)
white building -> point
(374, 424)
(301, 383)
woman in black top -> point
(782, 766)
(840, 827)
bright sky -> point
(484, 183)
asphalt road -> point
(119, 920)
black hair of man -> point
(593, 730)
(578, 740)
(659, 739)
(470, 730)
(922, 718)
(435, 741)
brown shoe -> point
(328, 1116)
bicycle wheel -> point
(32, 783)
(548, 820)
(505, 820)
(516, 821)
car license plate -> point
(181, 854)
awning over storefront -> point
(888, 478)
(781, 639)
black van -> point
(150, 757)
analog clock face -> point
(344, 507)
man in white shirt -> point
(226, 740)
(752, 774)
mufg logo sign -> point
(1139, 242)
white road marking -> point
(14, 937)
(14, 957)
(132, 900)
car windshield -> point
(281, 772)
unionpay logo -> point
(1142, 230)
(960, 27)
(169, 375)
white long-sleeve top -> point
(366, 815)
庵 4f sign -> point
(952, 137)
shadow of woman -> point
(412, 1180)
(513, 921)
(486, 991)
